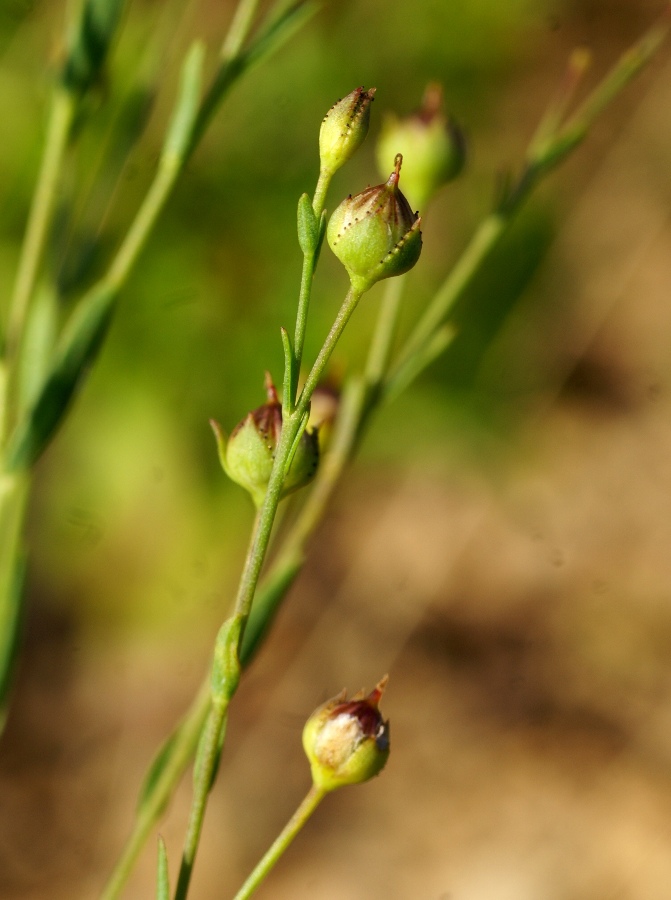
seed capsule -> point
(375, 234)
(248, 455)
(347, 741)
(433, 147)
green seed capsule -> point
(249, 454)
(433, 147)
(347, 741)
(375, 234)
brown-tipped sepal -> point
(344, 129)
(375, 234)
(432, 145)
(249, 454)
(347, 741)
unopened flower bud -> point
(248, 455)
(347, 741)
(344, 129)
(433, 147)
(375, 234)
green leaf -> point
(77, 349)
(38, 345)
(162, 881)
(11, 609)
(156, 769)
(226, 665)
(180, 131)
(13, 495)
(89, 42)
(308, 227)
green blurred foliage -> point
(133, 523)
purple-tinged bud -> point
(347, 741)
(249, 454)
(344, 129)
(375, 234)
(433, 147)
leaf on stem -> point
(11, 609)
(288, 381)
(156, 769)
(180, 131)
(162, 879)
(308, 226)
(78, 348)
(89, 41)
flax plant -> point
(273, 451)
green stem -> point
(483, 241)
(341, 320)
(291, 554)
(385, 330)
(154, 803)
(239, 29)
(40, 217)
(205, 767)
(309, 804)
(319, 199)
(13, 499)
(309, 264)
(212, 744)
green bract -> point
(344, 129)
(375, 234)
(347, 741)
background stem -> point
(39, 220)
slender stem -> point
(211, 742)
(319, 199)
(307, 274)
(482, 242)
(144, 221)
(309, 804)
(309, 264)
(13, 499)
(385, 329)
(341, 320)
(291, 553)
(206, 765)
(240, 26)
(152, 806)
(40, 217)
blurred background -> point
(501, 546)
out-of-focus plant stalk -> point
(61, 115)
(553, 142)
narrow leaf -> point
(156, 769)
(308, 227)
(162, 880)
(78, 348)
(180, 131)
(289, 365)
(11, 609)
(89, 41)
